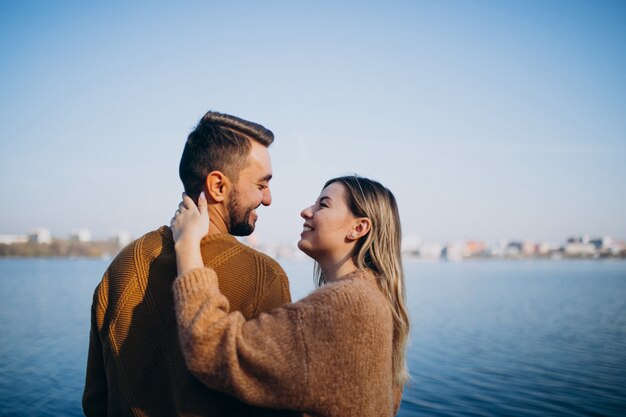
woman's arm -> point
(397, 398)
(262, 362)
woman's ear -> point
(361, 228)
(215, 186)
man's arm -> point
(95, 393)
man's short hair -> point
(220, 142)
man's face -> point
(250, 191)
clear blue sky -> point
(488, 120)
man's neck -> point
(217, 222)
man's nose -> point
(267, 197)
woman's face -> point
(327, 223)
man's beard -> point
(239, 217)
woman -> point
(338, 352)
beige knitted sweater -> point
(326, 355)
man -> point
(135, 365)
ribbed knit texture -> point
(326, 355)
(135, 365)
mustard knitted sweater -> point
(326, 355)
(135, 365)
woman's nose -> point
(306, 213)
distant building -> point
(431, 251)
(121, 238)
(528, 248)
(547, 248)
(512, 249)
(579, 239)
(580, 249)
(40, 235)
(618, 249)
(11, 239)
(602, 243)
(454, 252)
(475, 248)
(81, 235)
(411, 244)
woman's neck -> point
(334, 269)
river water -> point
(489, 338)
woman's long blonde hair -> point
(379, 251)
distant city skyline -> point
(40, 243)
(409, 242)
(488, 121)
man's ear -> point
(215, 186)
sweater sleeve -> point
(262, 362)
(397, 398)
(95, 392)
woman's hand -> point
(190, 222)
(189, 225)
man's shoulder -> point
(240, 252)
(264, 258)
(138, 259)
(144, 249)
(245, 271)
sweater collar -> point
(217, 237)
(168, 240)
(364, 274)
